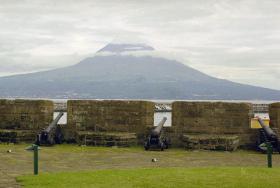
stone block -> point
(106, 138)
(211, 142)
(17, 136)
(213, 118)
(25, 114)
(274, 115)
(109, 116)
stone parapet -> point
(213, 118)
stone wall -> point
(25, 114)
(109, 116)
(213, 118)
(112, 121)
(211, 142)
(20, 120)
(106, 138)
(274, 115)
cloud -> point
(236, 40)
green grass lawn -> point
(159, 178)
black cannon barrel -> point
(157, 138)
(51, 134)
(157, 130)
(54, 122)
(268, 131)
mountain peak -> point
(128, 74)
(125, 47)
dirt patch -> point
(7, 181)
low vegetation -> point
(159, 177)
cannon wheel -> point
(147, 145)
(162, 146)
(166, 143)
(59, 138)
(258, 143)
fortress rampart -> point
(195, 125)
(20, 120)
(274, 114)
(87, 118)
(222, 120)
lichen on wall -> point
(109, 116)
(25, 114)
(274, 115)
(213, 118)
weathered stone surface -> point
(106, 138)
(211, 142)
(17, 136)
(20, 120)
(109, 116)
(274, 115)
(213, 118)
(25, 114)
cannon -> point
(267, 135)
(156, 139)
(52, 134)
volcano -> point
(127, 71)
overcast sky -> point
(235, 40)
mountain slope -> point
(115, 75)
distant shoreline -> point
(161, 101)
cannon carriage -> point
(156, 138)
(267, 136)
(52, 134)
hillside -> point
(114, 75)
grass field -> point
(160, 178)
(73, 158)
